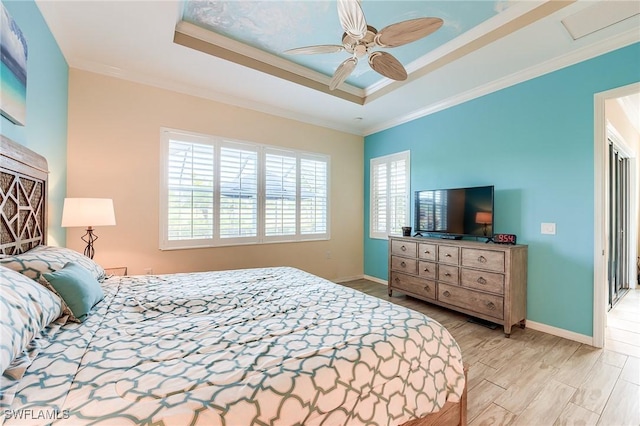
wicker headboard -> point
(23, 198)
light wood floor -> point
(623, 325)
(534, 378)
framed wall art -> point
(13, 70)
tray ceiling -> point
(231, 51)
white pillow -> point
(26, 308)
(47, 259)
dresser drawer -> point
(483, 259)
(427, 269)
(404, 248)
(418, 286)
(482, 280)
(403, 264)
(448, 274)
(427, 251)
(448, 254)
(475, 301)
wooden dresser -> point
(487, 281)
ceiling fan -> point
(359, 39)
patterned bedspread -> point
(273, 346)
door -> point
(618, 266)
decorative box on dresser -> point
(487, 281)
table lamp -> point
(88, 212)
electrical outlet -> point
(548, 228)
(148, 271)
(327, 255)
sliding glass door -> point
(618, 266)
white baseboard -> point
(538, 326)
(560, 332)
(376, 280)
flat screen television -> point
(455, 212)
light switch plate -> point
(548, 228)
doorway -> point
(613, 175)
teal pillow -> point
(77, 287)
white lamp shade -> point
(85, 212)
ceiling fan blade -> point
(312, 50)
(352, 18)
(343, 71)
(407, 31)
(387, 65)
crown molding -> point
(585, 53)
(582, 54)
(210, 95)
(480, 38)
(211, 43)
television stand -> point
(471, 277)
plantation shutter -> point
(280, 194)
(190, 182)
(216, 191)
(238, 192)
(313, 196)
(379, 198)
(389, 195)
(398, 196)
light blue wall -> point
(534, 142)
(46, 127)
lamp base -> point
(89, 238)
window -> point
(281, 194)
(389, 194)
(238, 192)
(217, 191)
(189, 191)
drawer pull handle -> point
(427, 252)
(446, 293)
(427, 270)
(403, 264)
(482, 280)
(482, 259)
(397, 279)
(403, 248)
(426, 288)
(491, 306)
(447, 274)
(447, 255)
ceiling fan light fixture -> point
(352, 18)
(405, 32)
(360, 50)
(311, 50)
(387, 65)
(344, 70)
(359, 38)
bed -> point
(266, 346)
